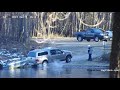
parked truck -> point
(90, 33)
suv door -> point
(52, 55)
(60, 54)
(90, 33)
(56, 54)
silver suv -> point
(49, 54)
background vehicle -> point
(88, 34)
(49, 54)
(109, 34)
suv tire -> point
(88, 40)
(68, 59)
(45, 63)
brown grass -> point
(24, 48)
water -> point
(53, 71)
(59, 70)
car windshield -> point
(31, 54)
(94, 30)
(98, 31)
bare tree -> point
(20, 26)
(115, 53)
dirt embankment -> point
(22, 48)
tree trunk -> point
(115, 53)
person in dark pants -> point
(1, 64)
(90, 53)
(104, 42)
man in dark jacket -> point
(90, 53)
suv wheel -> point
(45, 63)
(88, 40)
(96, 39)
(79, 38)
(68, 59)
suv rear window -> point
(55, 51)
(42, 53)
(98, 31)
(31, 54)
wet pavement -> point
(78, 68)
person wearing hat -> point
(90, 53)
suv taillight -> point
(37, 60)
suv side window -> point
(42, 53)
(53, 52)
(88, 31)
(58, 51)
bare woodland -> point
(21, 26)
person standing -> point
(104, 42)
(90, 53)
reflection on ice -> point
(53, 72)
(56, 64)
